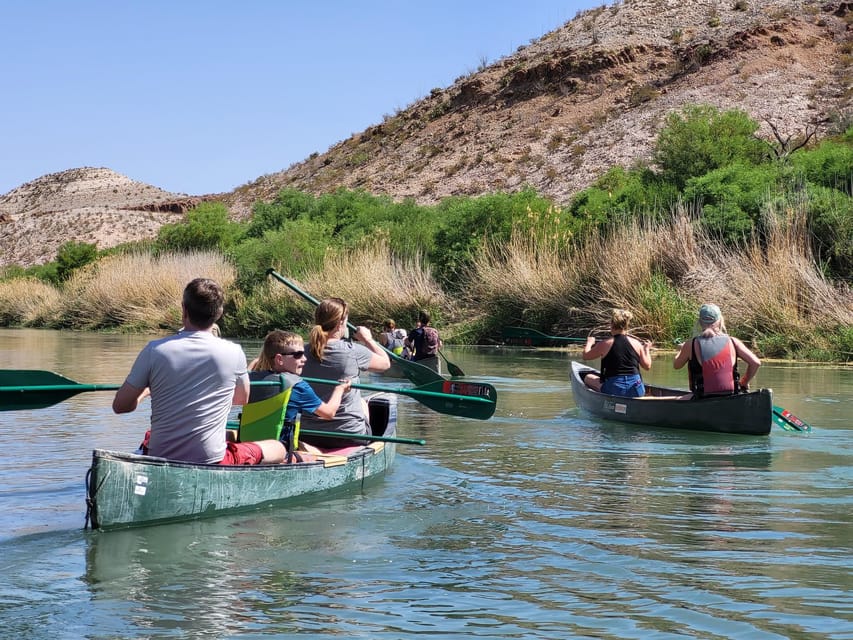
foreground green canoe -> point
(129, 490)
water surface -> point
(539, 523)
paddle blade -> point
(476, 400)
(24, 389)
(26, 399)
(417, 374)
(31, 377)
(789, 421)
(455, 371)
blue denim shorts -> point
(627, 386)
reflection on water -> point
(539, 523)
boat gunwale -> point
(144, 460)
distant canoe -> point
(129, 490)
(745, 413)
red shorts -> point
(242, 453)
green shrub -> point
(265, 309)
(466, 223)
(206, 227)
(701, 139)
(731, 197)
(620, 193)
(73, 255)
(830, 165)
(669, 316)
(830, 216)
(295, 248)
(288, 205)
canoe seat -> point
(263, 419)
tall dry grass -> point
(138, 291)
(659, 270)
(28, 302)
(378, 285)
(771, 286)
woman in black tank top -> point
(621, 358)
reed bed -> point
(662, 271)
(378, 285)
(28, 302)
(138, 291)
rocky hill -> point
(553, 115)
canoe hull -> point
(746, 413)
(128, 490)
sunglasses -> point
(295, 354)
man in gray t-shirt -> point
(193, 378)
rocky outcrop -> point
(94, 205)
(553, 115)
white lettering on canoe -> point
(141, 486)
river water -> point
(539, 523)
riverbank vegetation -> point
(764, 229)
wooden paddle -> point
(33, 389)
(417, 374)
(532, 337)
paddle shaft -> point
(35, 389)
(416, 373)
(414, 393)
(338, 434)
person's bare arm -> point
(751, 360)
(379, 361)
(593, 349)
(241, 390)
(127, 398)
(643, 348)
(328, 409)
(683, 354)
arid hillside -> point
(553, 115)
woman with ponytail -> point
(332, 357)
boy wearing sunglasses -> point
(284, 353)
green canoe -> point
(128, 490)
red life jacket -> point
(717, 375)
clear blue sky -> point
(201, 97)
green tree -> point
(731, 197)
(206, 227)
(701, 139)
(73, 255)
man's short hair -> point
(204, 302)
